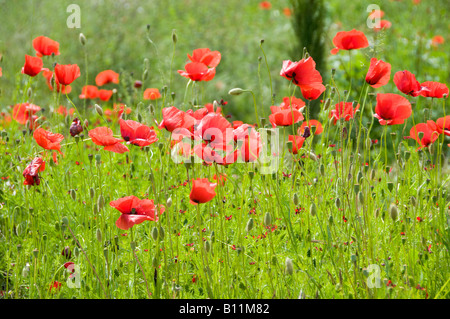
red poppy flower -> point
(45, 46)
(251, 149)
(443, 124)
(310, 124)
(265, 5)
(121, 108)
(435, 89)
(89, 92)
(197, 71)
(429, 131)
(202, 191)
(56, 285)
(284, 116)
(48, 75)
(379, 73)
(152, 94)
(392, 109)
(31, 172)
(376, 14)
(48, 140)
(136, 133)
(236, 124)
(287, 12)
(349, 40)
(213, 129)
(1, 74)
(406, 82)
(304, 74)
(221, 180)
(105, 77)
(437, 40)
(24, 111)
(103, 136)
(384, 24)
(135, 211)
(105, 95)
(174, 118)
(75, 127)
(343, 110)
(33, 66)
(66, 74)
(297, 143)
(206, 56)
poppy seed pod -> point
(236, 91)
(393, 212)
(267, 219)
(289, 266)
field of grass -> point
(360, 211)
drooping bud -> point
(99, 109)
(174, 36)
(236, 91)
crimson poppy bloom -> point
(89, 92)
(236, 124)
(24, 111)
(152, 94)
(136, 133)
(33, 66)
(105, 77)
(437, 40)
(406, 82)
(212, 129)
(343, 110)
(444, 124)
(135, 211)
(297, 143)
(287, 12)
(265, 5)
(48, 140)
(206, 56)
(349, 40)
(103, 136)
(304, 74)
(384, 25)
(105, 95)
(31, 172)
(45, 46)
(75, 127)
(67, 73)
(202, 191)
(435, 89)
(392, 109)
(284, 116)
(310, 124)
(379, 73)
(174, 118)
(56, 285)
(197, 71)
(48, 75)
(429, 131)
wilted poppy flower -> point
(136, 133)
(297, 143)
(75, 127)
(67, 73)
(435, 89)
(105, 77)
(349, 40)
(265, 5)
(379, 73)
(392, 109)
(32, 170)
(103, 136)
(304, 74)
(105, 95)
(48, 140)
(24, 111)
(384, 24)
(33, 66)
(310, 124)
(406, 82)
(206, 56)
(202, 191)
(174, 118)
(135, 211)
(343, 110)
(152, 94)
(45, 46)
(197, 71)
(444, 124)
(89, 92)
(425, 133)
(48, 75)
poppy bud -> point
(313, 209)
(322, 169)
(327, 104)
(289, 266)
(330, 219)
(98, 159)
(66, 252)
(390, 186)
(337, 202)
(353, 258)
(236, 91)
(92, 192)
(413, 201)
(154, 262)
(251, 174)
(99, 109)
(35, 252)
(267, 219)
(249, 225)
(137, 84)
(356, 188)
(263, 122)
(207, 246)
(359, 177)
(169, 202)
(393, 212)
(161, 233)
(82, 39)
(262, 41)
(145, 75)
(73, 194)
(65, 221)
(213, 236)
(100, 202)
(361, 198)
(296, 199)
(29, 92)
(99, 235)
(155, 233)
(174, 36)
(344, 133)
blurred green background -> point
(116, 32)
